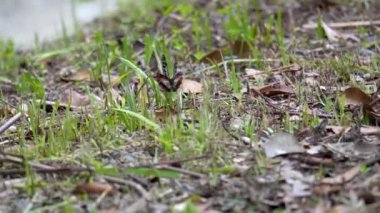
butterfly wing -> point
(163, 81)
(169, 84)
(177, 81)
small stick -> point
(183, 171)
(134, 185)
(236, 61)
(18, 160)
(6, 172)
(171, 162)
(344, 24)
(10, 122)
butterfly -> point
(168, 84)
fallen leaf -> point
(240, 48)
(237, 48)
(280, 144)
(85, 75)
(93, 188)
(251, 72)
(215, 56)
(76, 99)
(355, 96)
(276, 89)
(331, 34)
(190, 86)
(334, 36)
(326, 189)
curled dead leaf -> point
(75, 99)
(276, 89)
(85, 75)
(355, 96)
(190, 86)
(240, 48)
(326, 189)
(237, 48)
(215, 56)
(93, 188)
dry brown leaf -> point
(85, 75)
(215, 56)
(276, 89)
(240, 49)
(237, 48)
(355, 96)
(76, 99)
(252, 73)
(190, 86)
(326, 189)
(93, 188)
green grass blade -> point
(139, 71)
(140, 117)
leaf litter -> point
(136, 151)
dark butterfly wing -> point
(169, 84)
(177, 81)
(163, 81)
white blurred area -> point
(22, 20)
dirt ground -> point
(198, 106)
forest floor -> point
(200, 106)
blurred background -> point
(28, 21)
